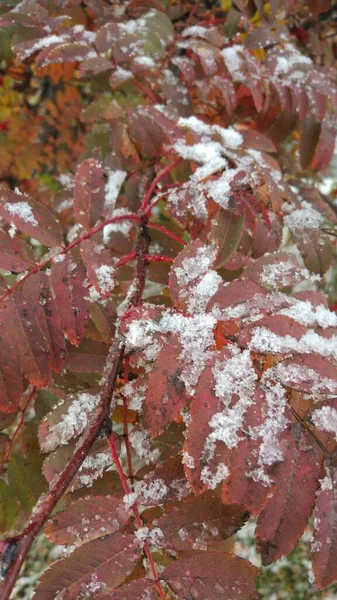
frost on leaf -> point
(285, 515)
(212, 574)
(324, 546)
(30, 217)
(67, 420)
(100, 565)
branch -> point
(59, 485)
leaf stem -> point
(155, 182)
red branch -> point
(158, 258)
(61, 482)
(155, 182)
(136, 514)
(65, 250)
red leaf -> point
(89, 193)
(87, 519)
(37, 289)
(285, 516)
(271, 334)
(100, 266)
(107, 561)
(15, 254)
(68, 282)
(65, 52)
(166, 394)
(26, 337)
(198, 522)
(31, 217)
(215, 575)
(239, 487)
(324, 548)
(139, 589)
(11, 388)
(325, 146)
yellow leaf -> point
(226, 4)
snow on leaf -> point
(66, 52)
(86, 519)
(15, 255)
(203, 406)
(100, 565)
(69, 287)
(198, 522)
(89, 193)
(285, 515)
(100, 266)
(166, 394)
(215, 575)
(31, 217)
(324, 546)
(67, 420)
(27, 339)
(190, 269)
(277, 270)
(307, 373)
(248, 482)
(325, 419)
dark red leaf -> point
(89, 193)
(107, 561)
(68, 282)
(37, 289)
(166, 395)
(139, 589)
(31, 217)
(11, 388)
(198, 522)
(27, 339)
(100, 266)
(15, 254)
(215, 575)
(324, 548)
(87, 519)
(285, 516)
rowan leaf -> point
(68, 281)
(214, 575)
(100, 267)
(25, 479)
(135, 590)
(67, 420)
(197, 522)
(102, 564)
(227, 232)
(38, 290)
(325, 533)
(31, 217)
(27, 339)
(285, 515)
(166, 395)
(15, 254)
(11, 387)
(87, 519)
(89, 193)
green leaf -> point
(26, 480)
(8, 511)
